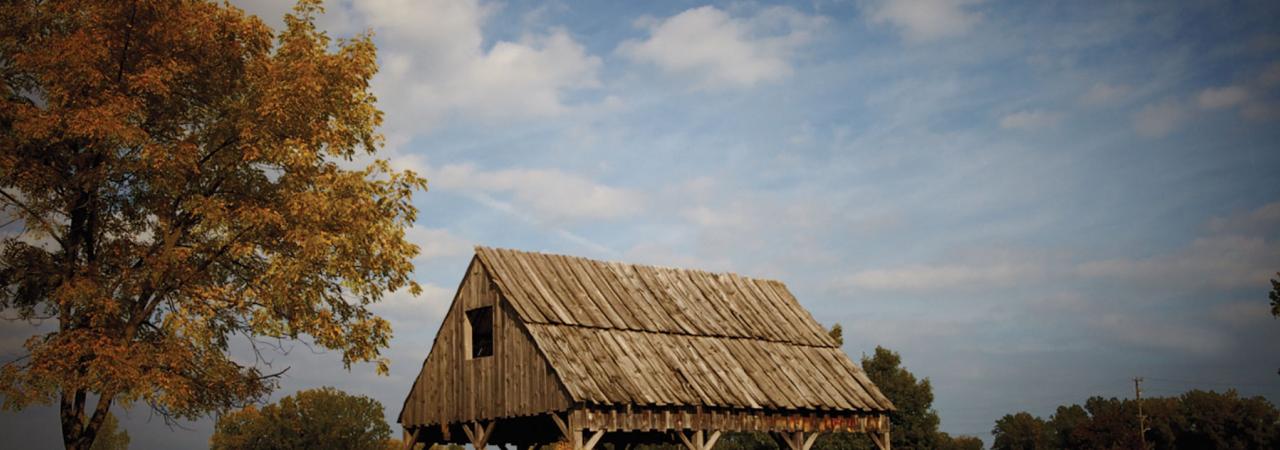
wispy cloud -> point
(1262, 221)
(1102, 93)
(1214, 262)
(940, 277)
(1033, 119)
(551, 194)
(1160, 119)
(1239, 250)
(1156, 333)
(1222, 97)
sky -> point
(1032, 202)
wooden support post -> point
(478, 434)
(685, 439)
(411, 439)
(798, 440)
(711, 441)
(564, 427)
(591, 443)
(881, 435)
(881, 438)
(699, 440)
(574, 436)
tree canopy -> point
(316, 418)
(915, 423)
(172, 175)
(1021, 431)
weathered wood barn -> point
(541, 348)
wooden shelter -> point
(539, 348)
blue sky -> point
(1033, 202)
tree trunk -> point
(76, 433)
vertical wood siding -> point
(515, 381)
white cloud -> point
(1104, 93)
(719, 50)
(1160, 119)
(435, 65)
(402, 308)
(1222, 97)
(437, 243)
(551, 194)
(1030, 120)
(925, 20)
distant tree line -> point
(1194, 420)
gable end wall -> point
(515, 381)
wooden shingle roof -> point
(632, 334)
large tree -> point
(1021, 431)
(915, 423)
(316, 418)
(172, 175)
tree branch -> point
(48, 227)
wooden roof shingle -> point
(632, 334)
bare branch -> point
(274, 375)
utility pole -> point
(1142, 419)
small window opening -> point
(480, 335)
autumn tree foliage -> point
(172, 174)
(315, 418)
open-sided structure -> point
(541, 348)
